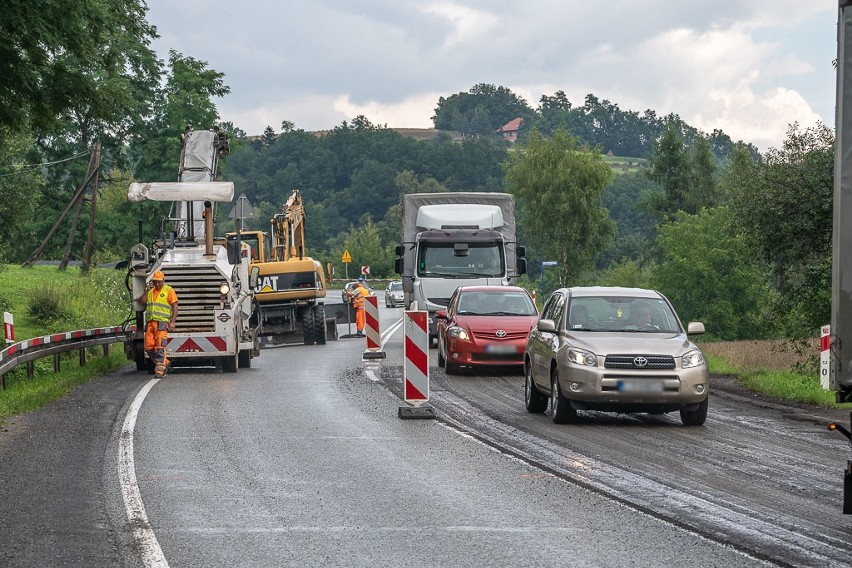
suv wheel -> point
(561, 411)
(534, 401)
(695, 417)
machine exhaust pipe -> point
(208, 228)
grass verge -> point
(785, 384)
(45, 300)
(24, 395)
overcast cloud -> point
(748, 67)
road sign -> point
(365, 270)
(346, 257)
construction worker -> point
(161, 309)
(358, 294)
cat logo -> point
(267, 284)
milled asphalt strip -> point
(732, 524)
(143, 534)
(370, 372)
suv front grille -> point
(654, 362)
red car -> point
(484, 326)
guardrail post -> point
(56, 363)
(30, 369)
(82, 356)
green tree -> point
(20, 185)
(702, 190)
(624, 200)
(710, 275)
(185, 100)
(480, 111)
(56, 57)
(670, 169)
(365, 246)
(783, 203)
(559, 186)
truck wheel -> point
(308, 325)
(244, 359)
(319, 324)
(229, 364)
(139, 355)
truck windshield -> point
(478, 261)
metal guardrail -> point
(31, 349)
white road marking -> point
(143, 534)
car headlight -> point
(458, 333)
(692, 359)
(581, 357)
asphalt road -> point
(302, 461)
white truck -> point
(456, 239)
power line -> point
(26, 167)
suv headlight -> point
(692, 359)
(458, 333)
(581, 357)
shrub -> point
(48, 305)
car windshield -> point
(396, 287)
(498, 303)
(627, 314)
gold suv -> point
(615, 350)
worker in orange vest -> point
(161, 309)
(358, 294)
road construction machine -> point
(211, 276)
(291, 286)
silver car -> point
(394, 295)
(615, 350)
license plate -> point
(501, 349)
(643, 385)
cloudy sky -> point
(748, 67)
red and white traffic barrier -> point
(9, 327)
(371, 318)
(416, 368)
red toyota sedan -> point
(485, 326)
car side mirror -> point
(694, 328)
(254, 275)
(546, 325)
(441, 314)
(397, 265)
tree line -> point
(736, 238)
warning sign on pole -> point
(416, 367)
(365, 270)
(347, 258)
(825, 357)
(9, 327)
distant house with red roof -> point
(509, 131)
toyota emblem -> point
(500, 333)
(640, 362)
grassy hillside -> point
(44, 300)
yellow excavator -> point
(291, 287)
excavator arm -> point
(288, 227)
